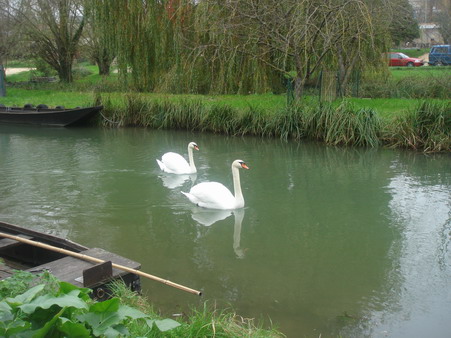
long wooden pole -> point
(97, 260)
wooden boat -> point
(42, 115)
(18, 255)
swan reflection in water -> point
(208, 217)
(239, 216)
(172, 181)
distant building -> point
(425, 12)
(429, 35)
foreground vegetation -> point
(42, 306)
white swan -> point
(214, 195)
(174, 163)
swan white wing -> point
(212, 195)
(175, 164)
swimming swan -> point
(214, 195)
(174, 163)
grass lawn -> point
(412, 52)
(19, 97)
(69, 97)
(432, 72)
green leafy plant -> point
(68, 311)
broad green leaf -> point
(26, 296)
(47, 301)
(149, 322)
(110, 305)
(117, 331)
(43, 331)
(69, 288)
(125, 311)
(166, 324)
(11, 328)
(4, 307)
(100, 322)
(5, 316)
(71, 329)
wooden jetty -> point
(19, 251)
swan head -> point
(239, 164)
(193, 145)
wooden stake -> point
(97, 260)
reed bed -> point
(344, 125)
(427, 128)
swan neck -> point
(191, 159)
(237, 186)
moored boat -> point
(42, 115)
(35, 252)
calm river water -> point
(332, 241)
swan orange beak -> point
(196, 147)
(244, 166)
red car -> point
(401, 60)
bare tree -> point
(300, 37)
(54, 28)
(6, 42)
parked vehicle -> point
(402, 60)
(440, 55)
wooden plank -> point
(70, 269)
(97, 274)
(42, 237)
(6, 243)
(5, 271)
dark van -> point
(440, 55)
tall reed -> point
(426, 128)
(342, 125)
(288, 123)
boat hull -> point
(17, 255)
(48, 117)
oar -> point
(97, 260)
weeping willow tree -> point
(251, 45)
(142, 35)
(366, 37)
(180, 46)
(299, 38)
(99, 37)
(53, 29)
(217, 61)
(238, 46)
